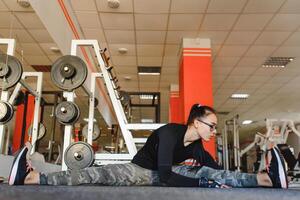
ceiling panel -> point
(232, 50)
(260, 50)
(117, 21)
(95, 34)
(86, 5)
(151, 21)
(21, 35)
(38, 60)
(251, 22)
(30, 49)
(221, 22)
(172, 50)
(175, 37)
(117, 36)
(293, 40)
(149, 61)
(84, 18)
(290, 6)
(216, 37)
(41, 35)
(3, 7)
(124, 60)
(228, 6)
(272, 38)
(284, 22)
(185, 22)
(29, 20)
(126, 69)
(265, 6)
(190, 6)
(153, 6)
(241, 37)
(150, 37)
(150, 50)
(9, 21)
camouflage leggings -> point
(132, 174)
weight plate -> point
(67, 112)
(41, 131)
(96, 132)
(68, 72)
(79, 155)
(6, 112)
(10, 71)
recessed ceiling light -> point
(239, 96)
(147, 120)
(275, 62)
(147, 96)
(149, 70)
(247, 122)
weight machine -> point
(64, 70)
(11, 74)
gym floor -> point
(131, 193)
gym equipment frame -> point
(36, 93)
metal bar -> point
(10, 45)
(4, 97)
(53, 125)
(142, 105)
(143, 126)
(30, 90)
(67, 132)
(4, 94)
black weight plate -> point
(96, 132)
(79, 155)
(68, 72)
(41, 132)
(67, 112)
(6, 112)
(10, 71)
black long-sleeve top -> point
(165, 147)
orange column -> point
(195, 79)
(22, 112)
(175, 115)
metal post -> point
(68, 131)
(53, 125)
(4, 94)
(225, 148)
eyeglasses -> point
(212, 127)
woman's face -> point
(206, 126)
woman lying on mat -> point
(157, 162)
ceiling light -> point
(149, 70)
(147, 120)
(113, 3)
(147, 96)
(239, 96)
(146, 73)
(247, 122)
(122, 50)
(277, 62)
(127, 78)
